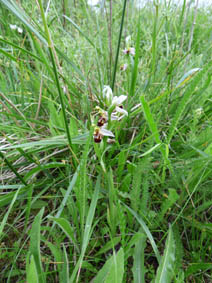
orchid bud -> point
(107, 95)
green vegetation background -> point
(136, 210)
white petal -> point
(132, 51)
(125, 51)
(118, 100)
(124, 67)
(128, 40)
(20, 30)
(13, 26)
(113, 117)
(106, 133)
(121, 110)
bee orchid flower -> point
(100, 132)
(117, 102)
(130, 50)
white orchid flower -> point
(117, 102)
(130, 50)
(13, 27)
(107, 94)
(20, 30)
(100, 132)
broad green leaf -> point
(165, 271)
(31, 272)
(113, 269)
(67, 229)
(138, 263)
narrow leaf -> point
(35, 245)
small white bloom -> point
(199, 111)
(93, 2)
(20, 30)
(107, 94)
(118, 100)
(65, 89)
(13, 27)
(130, 50)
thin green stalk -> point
(154, 37)
(135, 67)
(51, 51)
(118, 47)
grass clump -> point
(105, 142)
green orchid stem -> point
(51, 51)
(118, 47)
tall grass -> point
(136, 208)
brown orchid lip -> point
(97, 139)
(101, 121)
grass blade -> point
(13, 169)
(35, 245)
(186, 96)
(146, 230)
(118, 47)
(150, 120)
(136, 61)
(3, 222)
(52, 55)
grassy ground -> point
(136, 206)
